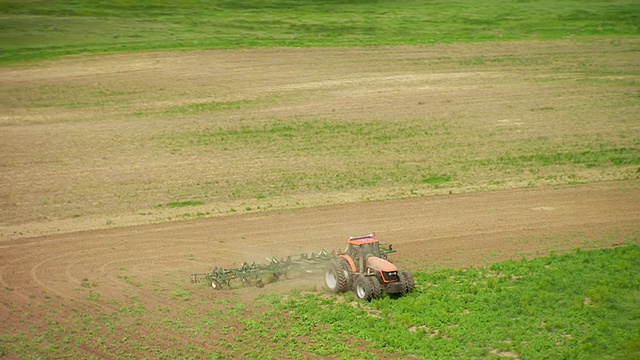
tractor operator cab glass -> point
(371, 250)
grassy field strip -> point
(37, 30)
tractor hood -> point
(379, 264)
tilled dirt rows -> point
(452, 230)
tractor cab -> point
(367, 255)
(360, 248)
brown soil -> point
(447, 230)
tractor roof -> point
(361, 240)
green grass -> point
(33, 30)
(580, 305)
(589, 159)
(199, 108)
(437, 179)
(179, 204)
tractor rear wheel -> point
(335, 278)
(363, 288)
(376, 288)
(408, 282)
(346, 269)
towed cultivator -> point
(274, 269)
(258, 274)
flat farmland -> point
(123, 174)
(140, 138)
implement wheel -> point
(215, 284)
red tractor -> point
(364, 267)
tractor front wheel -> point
(376, 288)
(363, 288)
(408, 283)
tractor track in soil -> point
(446, 230)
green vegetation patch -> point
(45, 29)
(580, 305)
(178, 204)
(591, 158)
(203, 107)
(312, 137)
(436, 179)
